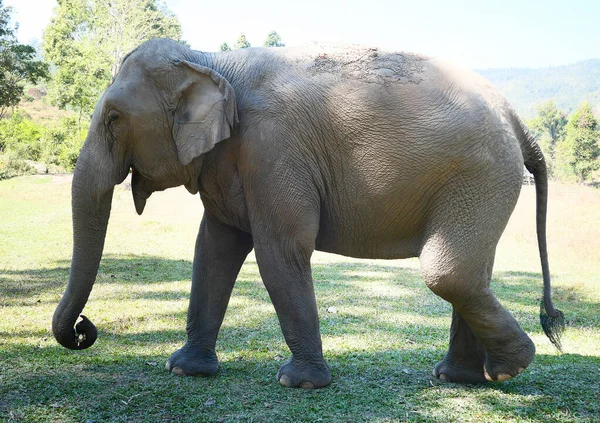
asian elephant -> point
(349, 150)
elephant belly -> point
(385, 231)
(368, 246)
(377, 206)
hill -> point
(568, 85)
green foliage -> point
(88, 39)
(62, 142)
(549, 129)
(80, 76)
(273, 40)
(12, 165)
(18, 64)
(580, 150)
(571, 146)
(549, 125)
(242, 42)
(57, 143)
(19, 141)
(21, 136)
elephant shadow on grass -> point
(352, 296)
(20, 287)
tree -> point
(18, 64)
(80, 74)
(225, 47)
(581, 147)
(273, 40)
(88, 39)
(122, 25)
(549, 127)
(242, 42)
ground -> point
(382, 329)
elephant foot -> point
(190, 361)
(451, 372)
(295, 373)
(512, 361)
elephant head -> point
(160, 115)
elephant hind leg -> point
(483, 331)
(456, 261)
(465, 358)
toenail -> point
(486, 374)
(168, 366)
(285, 381)
(178, 371)
(521, 370)
(503, 376)
(307, 385)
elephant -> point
(344, 149)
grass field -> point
(381, 345)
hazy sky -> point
(475, 33)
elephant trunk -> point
(92, 190)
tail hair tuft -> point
(553, 326)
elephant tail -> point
(551, 319)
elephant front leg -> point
(465, 358)
(285, 270)
(219, 255)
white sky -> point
(474, 33)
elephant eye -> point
(112, 116)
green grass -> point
(381, 345)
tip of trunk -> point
(79, 338)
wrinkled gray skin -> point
(349, 150)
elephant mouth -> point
(140, 190)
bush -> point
(62, 143)
(11, 165)
(579, 151)
(22, 136)
(57, 143)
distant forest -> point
(568, 86)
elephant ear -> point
(206, 111)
